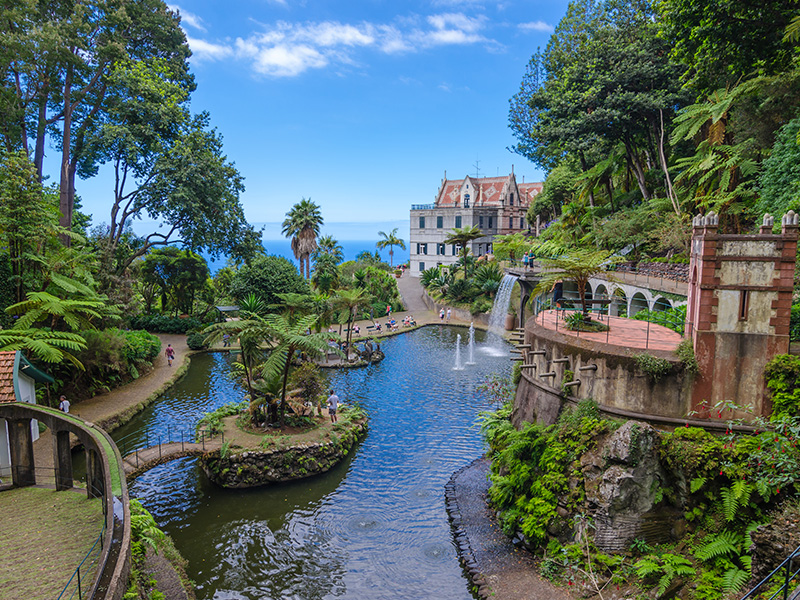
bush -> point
(196, 341)
(481, 304)
(794, 324)
(165, 324)
(655, 368)
(141, 346)
(266, 277)
(783, 376)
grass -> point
(44, 535)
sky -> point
(360, 105)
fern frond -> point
(696, 484)
(726, 542)
(734, 579)
(730, 503)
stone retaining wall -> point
(458, 313)
(256, 467)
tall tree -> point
(391, 240)
(302, 224)
(462, 237)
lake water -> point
(375, 526)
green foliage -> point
(165, 324)
(655, 368)
(516, 373)
(533, 470)
(685, 351)
(779, 182)
(144, 530)
(266, 277)
(211, 422)
(140, 346)
(783, 381)
(481, 304)
(664, 569)
(179, 275)
(794, 324)
(308, 379)
(196, 341)
(672, 318)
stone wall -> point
(255, 467)
(607, 374)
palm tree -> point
(462, 237)
(302, 224)
(390, 240)
(289, 338)
(327, 244)
(252, 331)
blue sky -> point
(361, 105)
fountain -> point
(471, 360)
(459, 366)
(496, 344)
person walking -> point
(170, 354)
(441, 315)
(388, 310)
(333, 405)
(63, 406)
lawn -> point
(44, 535)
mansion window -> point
(511, 222)
(439, 222)
(422, 266)
(458, 222)
(440, 249)
(480, 222)
(511, 199)
(422, 248)
(490, 222)
(466, 200)
(522, 222)
(422, 222)
(454, 249)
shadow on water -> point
(374, 526)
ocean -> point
(350, 248)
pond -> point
(373, 527)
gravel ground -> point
(496, 567)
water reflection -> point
(373, 527)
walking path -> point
(147, 458)
(114, 408)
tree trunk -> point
(585, 168)
(289, 354)
(66, 143)
(638, 172)
(663, 158)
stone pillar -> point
(21, 443)
(95, 484)
(62, 459)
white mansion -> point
(496, 205)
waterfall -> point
(497, 320)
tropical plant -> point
(289, 338)
(302, 224)
(326, 244)
(351, 300)
(44, 344)
(578, 266)
(391, 240)
(462, 237)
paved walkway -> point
(114, 408)
(627, 333)
(147, 458)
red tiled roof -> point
(7, 377)
(485, 191)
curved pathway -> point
(112, 409)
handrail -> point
(77, 571)
(788, 578)
(188, 434)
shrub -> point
(265, 277)
(655, 368)
(685, 351)
(783, 377)
(481, 304)
(141, 346)
(165, 324)
(196, 341)
(673, 318)
(794, 324)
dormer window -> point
(466, 200)
(511, 199)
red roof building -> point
(496, 205)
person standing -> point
(441, 315)
(170, 354)
(63, 406)
(449, 313)
(333, 405)
(388, 310)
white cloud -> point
(536, 26)
(203, 50)
(188, 18)
(287, 49)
